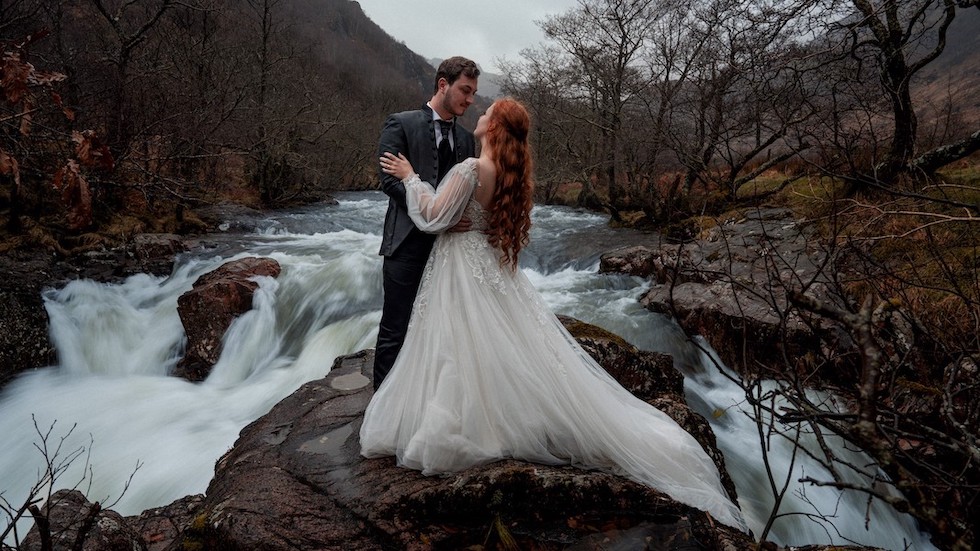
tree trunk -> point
(895, 79)
(932, 161)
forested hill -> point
(137, 110)
(259, 101)
(955, 75)
(353, 50)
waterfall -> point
(117, 343)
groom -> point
(433, 143)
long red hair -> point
(510, 209)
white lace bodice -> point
(477, 215)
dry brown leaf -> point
(90, 150)
(76, 195)
(14, 77)
(69, 113)
(9, 166)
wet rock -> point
(209, 308)
(27, 273)
(77, 524)
(646, 374)
(634, 260)
(229, 217)
(155, 252)
(295, 480)
(161, 526)
(24, 342)
(731, 287)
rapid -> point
(149, 439)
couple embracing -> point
(471, 366)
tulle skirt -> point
(488, 372)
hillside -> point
(350, 48)
(954, 77)
(260, 102)
(489, 82)
(263, 102)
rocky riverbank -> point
(26, 273)
(732, 285)
(295, 480)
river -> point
(110, 393)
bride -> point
(488, 372)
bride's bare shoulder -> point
(486, 171)
(486, 181)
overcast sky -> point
(481, 30)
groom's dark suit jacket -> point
(413, 133)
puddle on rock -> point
(351, 381)
(329, 443)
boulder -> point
(155, 252)
(646, 374)
(160, 526)
(732, 287)
(24, 342)
(76, 524)
(209, 308)
(635, 260)
(295, 480)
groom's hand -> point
(464, 224)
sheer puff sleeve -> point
(434, 210)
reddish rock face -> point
(209, 308)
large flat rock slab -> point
(296, 480)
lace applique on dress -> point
(482, 258)
(422, 298)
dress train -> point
(488, 372)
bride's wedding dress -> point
(487, 371)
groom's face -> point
(459, 95)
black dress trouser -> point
(401, 277)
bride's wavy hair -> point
(510, 209)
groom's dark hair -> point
(453, 67)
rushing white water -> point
(116, 344)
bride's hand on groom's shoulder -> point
(398, 166)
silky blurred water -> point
(117, 343)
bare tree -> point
(130, 24)
(875, 348)
(898, 40)
(606, 38)
(58, 457)
(564, 138)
